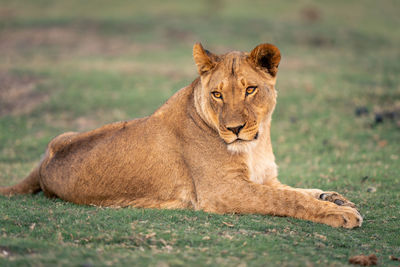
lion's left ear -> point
(204, 59)
(266, 56)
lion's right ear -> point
(204, 59)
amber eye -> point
(250, 90)
(217, 95)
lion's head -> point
(237, 94)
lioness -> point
(207, 148)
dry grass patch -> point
(18, 95)
(68, 41)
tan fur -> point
(207, 148)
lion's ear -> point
(204, 59)
(266, 56)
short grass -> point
(76, 65)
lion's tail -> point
(30, 185)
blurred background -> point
(76, 65)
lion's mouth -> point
(240, 140)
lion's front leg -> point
(241, 196)
(330, 196)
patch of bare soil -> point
(64, 41)
(311, 14)
(7, 12)
(18, 95)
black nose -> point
(235, 130)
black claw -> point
(338, 202)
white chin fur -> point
(259, 158)
(242, 146)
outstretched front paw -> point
(346, 217)
(336, 198)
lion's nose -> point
(235, 130)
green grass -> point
(76, 65)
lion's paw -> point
(336, 198)
(343, 216)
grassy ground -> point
(76, 65)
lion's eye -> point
(217, 95)
(250, 90)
